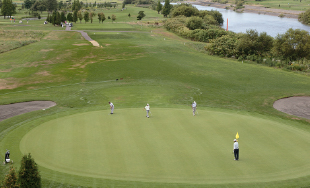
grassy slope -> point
(284, 4)
(156, 67)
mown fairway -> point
(172, 148)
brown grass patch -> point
(43, 73)
(46, 50)
(83, 44)
(89, 57)
(83, 66)
(8, 84)
(7, 70)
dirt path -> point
(297, 106)
(10, 110)
(95, 43)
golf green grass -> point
(171, 146)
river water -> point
(240, 22)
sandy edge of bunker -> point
(297, 106)
(10, 110)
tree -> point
(185, 10)
(76, 5)
(217, 16)
(10, 179)
(28, 175)
(58, 18)
(101, 17)
(62, 16)
(91, 15)
(28, 4)
(70, 17)
(60, 5)
(292, 45)
(48, 17)
(123, 5)
(304, 17)
(86, 16)
(0, 3)
(12, 8)
(159, 7)
(51, 5)
(140, 15)
(8, 8)
(166, 9)
(113, 18)
(4, 8)
(35, 6)
(42, 7)
(194, 23)
(75, 17)
(80, 15)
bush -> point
(186, 10)
(304, 17)
(10, 179)
(173, 24)
(28, 175)
(225, 45)
(194, 23)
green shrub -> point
(194, 23)
(28, 175)
(186, 10)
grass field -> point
(79, 144)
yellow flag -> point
(237, 135)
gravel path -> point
(297, 106)
(68, 28)
(10, 110)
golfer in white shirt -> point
(236, 149)
(194, 105)
(147, 108)
(112, 107)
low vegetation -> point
(304, 17)
(12, 39)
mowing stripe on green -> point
(170, 146)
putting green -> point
(170, 146)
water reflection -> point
(272, 25)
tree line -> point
(8, 8)
(56, 18)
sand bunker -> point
(297, 106)
(11, 110)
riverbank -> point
(258, 9)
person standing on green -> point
(194, 105)
(147, 108)
(111, 107)
(236, 150)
